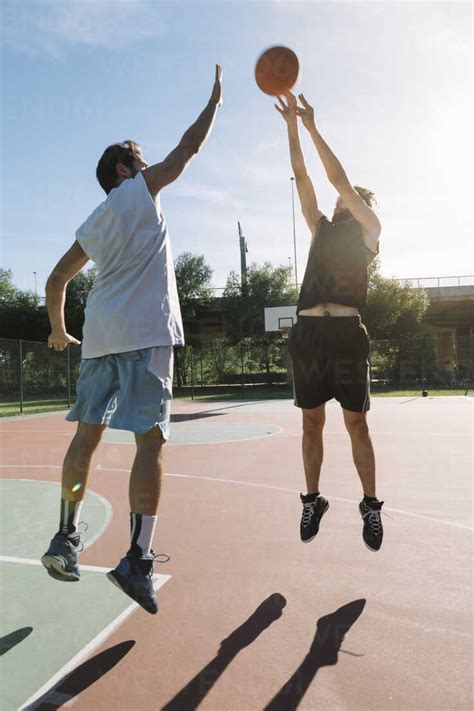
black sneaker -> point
(60, 560)
(314, 509)
(373, 529)
(134, 576)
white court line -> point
(401, 434)
(411, 514)
(29, 704)
(212, 441)
(91, 568)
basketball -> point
(277, 70)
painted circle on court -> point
(196, 431)
(30, 516)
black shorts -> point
(330, 358)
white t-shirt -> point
(134, 301)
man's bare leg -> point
(60, 559)
(313, 425)
(147, 470)
(362, 450)
(134, 573)
(314, 505)
(364, 460)
(76, 466)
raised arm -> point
(304, 186)
(338, 178)
(67, 268)
(164, 173)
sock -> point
(369, 499)
(307, 498)
(69, 516)
(142, 528)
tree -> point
(22, 316)
(8, 290)
(193, 278)
(76, 298)
(394, 310)
(404, 350)
(265, 286)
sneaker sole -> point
(374, 550)
(56, 570)
(115, 582)
(308, 540)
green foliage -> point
(8, 290)
(22, 315)
(394, 310)
(265, 286)
(77, 292)
(193, 278)
(405, 349)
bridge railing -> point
(437, 282)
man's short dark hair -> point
(126, 153)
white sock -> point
(142, 528)
(70, 512)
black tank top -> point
(336, 271)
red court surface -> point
(251, 618)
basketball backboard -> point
(279, 317)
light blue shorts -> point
(126, 391)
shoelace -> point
(308, 511)
(374, 519)
(158, 555)
(80, 546)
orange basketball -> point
(277, 70)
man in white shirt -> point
(132, 323)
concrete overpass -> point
(451, 302)
(450, 315)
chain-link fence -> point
(30, 372)
(33, 375)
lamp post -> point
(36, 291)
(292, 180)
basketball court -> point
(250, 618)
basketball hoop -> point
(285, 330)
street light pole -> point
(36, 292)
(292, 180)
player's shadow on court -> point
(330, 632)
(84, 676)
(11, 640)
(194, 692)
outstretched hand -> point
(306, 113)
(216, 96)
(287, 110)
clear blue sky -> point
(391, 84)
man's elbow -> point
(337, 178)
(55, 282)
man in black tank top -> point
(329, 346)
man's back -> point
(134, 301)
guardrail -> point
(437, 282)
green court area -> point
(47, 627)
(11, 407)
